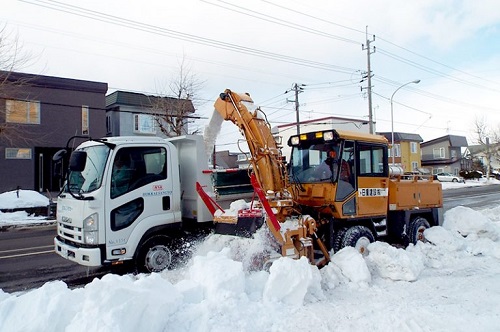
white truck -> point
(131, 199)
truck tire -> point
(416, 229)
(358, 237)
(154, 255)
(337, 240)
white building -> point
(287, 130)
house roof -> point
(402, 137)
(474, 149)
(52, 82)
(323, 121)
(142, 100)
(455, 141)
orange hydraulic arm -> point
(266, 157)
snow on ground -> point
(22, 199)
(448, 284)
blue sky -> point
(451, 46)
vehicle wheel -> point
(358, 237)
(154, 255)
(417, 228)
(337, 239)
(454, 180)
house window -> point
(438, 153)
(17, 153)
(437, 170)
(108, 125)
(397, 151)
(144, 124)
(413, 147)
(85, 120)
(414, 165)
(20, 111)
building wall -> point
(407, 157)
(61, 103)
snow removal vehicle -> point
(337, 190)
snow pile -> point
(26, 199)
(447, 284)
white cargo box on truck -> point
(193, 161)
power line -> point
(115, 20)
(272, 19)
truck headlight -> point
(91, 229)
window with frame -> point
(144, 124)
(413, 147)
(22, 111)
(414, 165)
(85, 120)
(371, 160)
(108, 125)
(18, 153)
(438, 153)
(136, 167)
(397, 151)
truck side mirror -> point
(59, 155)
(77, 161)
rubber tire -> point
(358, 237)
(454, 180)
(157, 248)
(337, 239)
(416, 229)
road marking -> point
(28, 254)
(25, 249)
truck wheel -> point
(358, 237)
(154, 255)
(417, 228)
(337, 240)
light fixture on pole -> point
(392, 118)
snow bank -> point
(26, 199)
(447, 284)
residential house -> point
(38, 114)
(478, 152)
(406, 150)
(444, 154)
(285, 131)
(137, 114)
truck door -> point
(140, 194)
(372, 171)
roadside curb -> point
(10, 226)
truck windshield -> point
(90, 178)
(315, 163)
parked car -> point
(448, 177)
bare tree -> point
(489, 140)
(11, 85)
(174, 112)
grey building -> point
(137, 114)
(38, 114)
(444, 154)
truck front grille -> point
(69, 232)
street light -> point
(392, 118)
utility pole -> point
(298, 89)
(369, 77)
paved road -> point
(27, 259)
(474, 197)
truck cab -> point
(126, 198)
